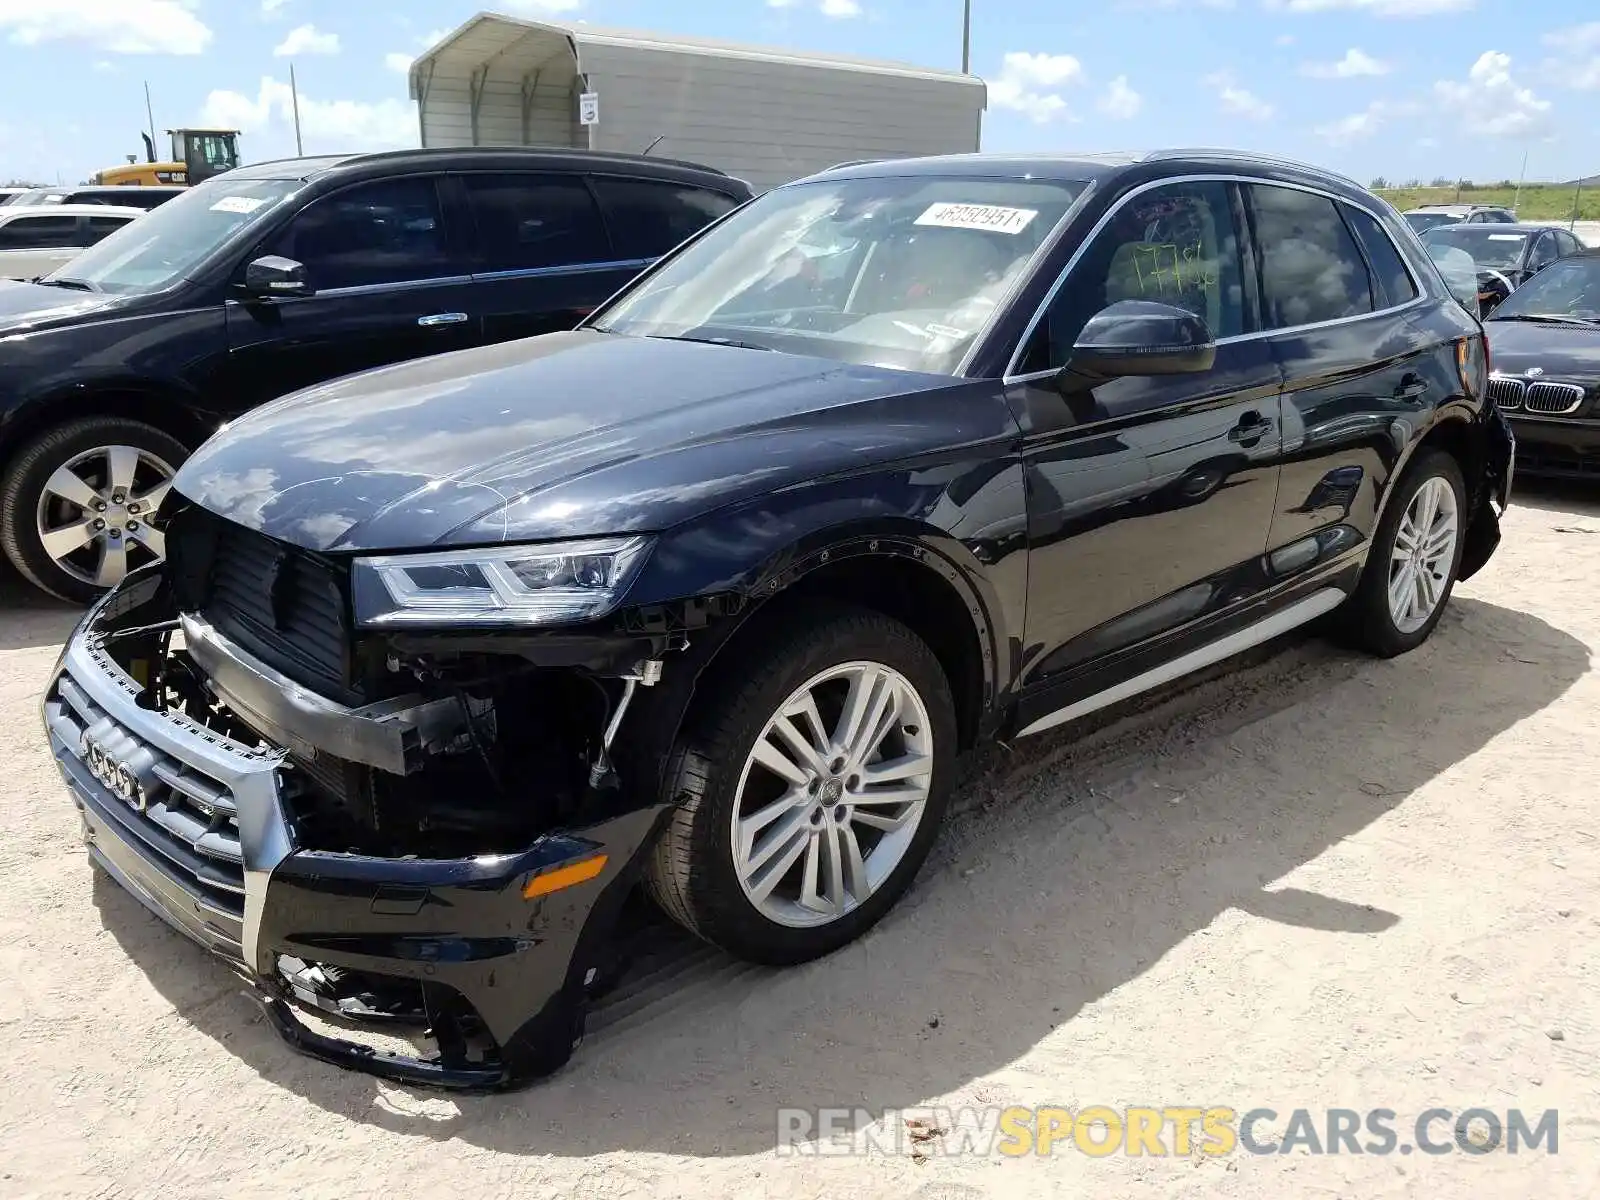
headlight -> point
(501, 585)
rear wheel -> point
(1415, 556)
(77, 503)
(810, 790)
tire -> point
(1370, 621)
(693, 873)
(30, 508)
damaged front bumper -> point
(492, 955)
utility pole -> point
(294, 99)
(150, 112)
(966, 37)
(1517, 199)
(1577, 201)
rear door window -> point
(387, 231)
(1388, 268)
(1311, 268)
(529, 221)
(648, 217)
(39, 233)
(1544, 252)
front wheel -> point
(809, 789)
(1414, 560)
(77, 503)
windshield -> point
(1568, 287)
(1487, 247)
(170, 241)
(900, 272)
(1422, 222)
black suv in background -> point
(285, 274)
(710, 592)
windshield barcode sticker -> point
(992, 217)
(237, 204)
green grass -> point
(1539, 202)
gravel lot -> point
(1319, 881)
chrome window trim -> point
(1420, 299)
(627, 264)
(398, 285)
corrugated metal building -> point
(765, 115)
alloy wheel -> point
(1424, 554)
(832, 793)
(94, 514)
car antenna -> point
(653, 145)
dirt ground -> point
(1320, 881)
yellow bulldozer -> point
(197, 155)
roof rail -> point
(1246, 156)
(853, 162)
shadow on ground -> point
(28, 617)
(1057, 882)
(1575, 497)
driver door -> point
(1150, 499)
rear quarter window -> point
(1389, 270)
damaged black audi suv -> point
(449, 659)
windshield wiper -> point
(76, 285)
(1544, 318)
(709, 341)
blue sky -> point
(1401, 88)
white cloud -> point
(1120, 101)
(306, 39)
(271, 8)
(1149, 4)
(1236, 100)
(1354, 64)
(118, 26)
(1491, 103)
(399, 61)
(327, 125)
(1378, 8)
(1284, 39)
(841, 9)
(1577, 64)
(1356, 127)
(1027, 84)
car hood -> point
(1564, 352)
(27, 306)
(566, 435)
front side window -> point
(38, 233)
(388, 231)
(649, 217)
(1311, 268)
(529, 221)
(901, 272)
(1174, 244)
(1388, 267)
(1544, 252)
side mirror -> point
(1142, 337)
(275, 277)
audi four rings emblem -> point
(117, 777)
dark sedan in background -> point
(1507, 256)
(1545, 342)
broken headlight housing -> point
(549, 584)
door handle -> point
(429, 322)
(1252, 427)
(1411, 387)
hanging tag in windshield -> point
(992, 217)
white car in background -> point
(35, 240)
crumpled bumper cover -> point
(220, 863)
